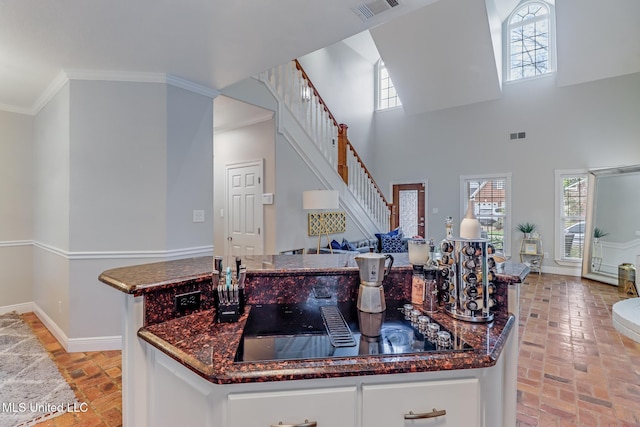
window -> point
(387, 96)
(529, 41)
(492, 206)
(571, 190)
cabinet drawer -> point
(385, 405)
(330, 407)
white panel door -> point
(244, 209)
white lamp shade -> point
(319, 199)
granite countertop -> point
(208, 349)
(136, 279)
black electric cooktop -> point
(308, 331)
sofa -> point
(391, 242)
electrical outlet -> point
(188, 301)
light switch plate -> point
(198, 215)
(267, 199)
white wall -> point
(243, 144)
(16, 208)
(51, 205)
(346, 82)
(573, 127)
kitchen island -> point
(180, 368)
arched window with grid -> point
(530, 41)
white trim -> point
(551, 52)
(558, 240)
(86, 255)
(191, 86)
(14, 243)
(25, 307)
(64, 76)
(507, 176)
(81, 345)
(54, 87)
(74, 345)
(14, 109)
(51, 326)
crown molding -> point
(65, 76)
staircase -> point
(322, 143)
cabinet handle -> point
(433, 414)
(306, 423)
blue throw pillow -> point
(392, 244)
(335, 244)
(396, 232)
(348, 246)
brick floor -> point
(95, 377)
(574, 369)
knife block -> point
(228, 310)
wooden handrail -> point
(315, 92)
(343, 131)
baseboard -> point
(94, 344)
(75, 345)
(25, 307)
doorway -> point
(409, 208)
(244, 207)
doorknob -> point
(229, 238)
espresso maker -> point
(372, 273)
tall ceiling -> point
(440, 53)
(212, 43)
(456, 48)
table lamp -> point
(320, 200)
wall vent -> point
(517, 135)
(369, 10)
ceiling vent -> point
(369, 10)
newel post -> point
(343, 169)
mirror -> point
(613, 210)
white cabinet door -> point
(392, 405)
(330, 407)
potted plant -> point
(526, 228)
(598, 233)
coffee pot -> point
(373, 270)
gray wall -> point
(16, 208)
(106, 174)
(583, 126)
(51, 202)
